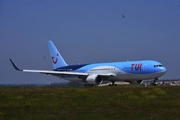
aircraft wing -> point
(58, 73)
(49, 71)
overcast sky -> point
(87, 32)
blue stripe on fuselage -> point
(70, 67)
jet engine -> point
(94, 79)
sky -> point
(86, 31)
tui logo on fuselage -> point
(136, 66)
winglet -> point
(15, 66)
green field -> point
(100, 103)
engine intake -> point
(94, 79)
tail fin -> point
(56, 57)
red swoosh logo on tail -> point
(55, 60)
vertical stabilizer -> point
(56, 57)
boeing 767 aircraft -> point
(96, 73)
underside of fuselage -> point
(128, 77)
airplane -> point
(97, 73)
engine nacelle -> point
(94, 79)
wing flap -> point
(107, 74)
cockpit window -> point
(157, 65)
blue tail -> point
(56, 57)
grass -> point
(102, 103)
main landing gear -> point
(113, 84)
(88, 85)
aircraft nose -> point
(163, 69)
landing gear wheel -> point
(154, 82)
(88, 85)
(113, 84)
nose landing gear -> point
(154, 82)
